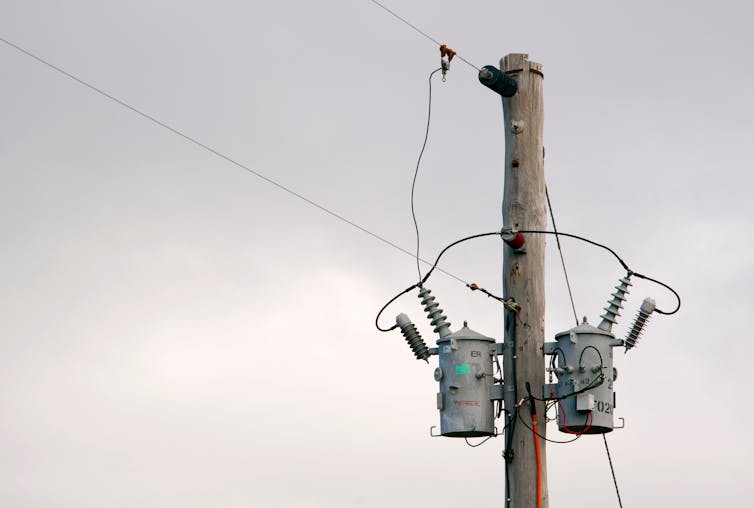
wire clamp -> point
(508, 455)
(511, 305)
(446, 55)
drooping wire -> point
(678, 297)
(219, 154)
(562, 260)
(417, 30)
(577, 237)
(437, 260)
(518, 415)
(479, 443)
(530, 231)
(426, 277)
(377, 319)
(620, 260)
(612, 470)
(416, 171)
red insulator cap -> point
(516, 242)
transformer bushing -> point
(465, 375)
(584, 391)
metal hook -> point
(445, 66)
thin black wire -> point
(620, 260)
(434, 266)
(562, 260)
(495, 233)
(218, 153)
(476, 287)
(417, 30)
(590, 386)
(569, 235)
(508, 447)
(518, 413)
(416, 171)
(612, 470)
(678, 297)
(581, 356)
(478, 444)
(377, 319)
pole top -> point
(518, 62)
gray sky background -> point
(176, 332)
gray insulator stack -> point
(434, 313)
(612, 311)
(645, 311)
(413, 337)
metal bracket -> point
(623, 423)
(511, 305)
(496, 392)
(508, 455)
(431, 431)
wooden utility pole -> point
(524, 208)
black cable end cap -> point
(498, 81)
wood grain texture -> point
(524, 207)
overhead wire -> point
(218, 153)
(340, 217)
(528, 231)
(560, 251)
(419, 31)
(612, 471)
(416, 171)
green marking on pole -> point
(463, 368)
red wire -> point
(563, 413)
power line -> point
(416, 172)
(617, 492)
(399, 17)
(217, 153)
(419, 31)
(562, 260)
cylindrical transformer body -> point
(465, 375)
(584, 391)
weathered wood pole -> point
(524, 207)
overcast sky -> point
(176, 332)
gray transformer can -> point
(465, 375)
(584, 359)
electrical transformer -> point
(584, 391)
(581, 358)
(584, 356)
(465, 375)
